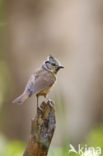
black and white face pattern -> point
(52, 64)
(53, 61)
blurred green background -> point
(71, 31)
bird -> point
(42, 81)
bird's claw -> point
(39, 108)
(51, 103)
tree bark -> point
(42, 130)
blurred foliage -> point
(1, 10)
(16, 148)
(5, 75)
(63, 151)
(95, 138)
(5, 79)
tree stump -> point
(42, 130)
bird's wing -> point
(43, 82)
(39, 83)
(29, 89)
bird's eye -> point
(53, 64)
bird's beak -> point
(60, 67)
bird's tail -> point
(21, 98)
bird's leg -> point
(38, 107)
(37, 100)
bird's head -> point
(52, 64)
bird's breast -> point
(46, 91)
